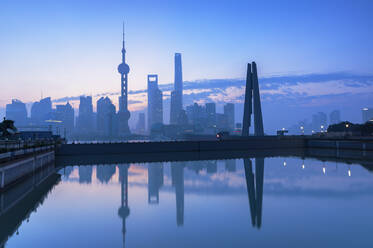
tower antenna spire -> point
(123, 33)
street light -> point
(302, 129)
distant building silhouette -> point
(41, 111)
(155, 102)
(177, 93)
(367, 114)
(182, 119)
(17, 112)
(140, 127)
(107, 123)
(252, 102)
(65, 114)
(229, 113)
(222, 123)
(211, 115)
(155, 182)
(335, 117)
(123, 114)
(319, 122)
(85, 118)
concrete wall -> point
(341, 144)
(14, 170)
(251, 143)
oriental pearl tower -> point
(123, 113)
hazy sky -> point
(69, 48)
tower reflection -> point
(85, 174)
(124, 210)
(155, 182)
(177, 174)
(254, 185)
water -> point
(271, 202)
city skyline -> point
(352, 93)
(82, 54)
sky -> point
(72, 48)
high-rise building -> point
(222, 123)
(123, 114)
(17, 112)
(85, 118)
(65, 114)
(229, 113)
(182, 118)
(196, 114)
(106, 117)
(155, 102)
(177, 93)
(367, 114)
(141, 123)
(41, 111)
(211, 114)
(335, 117)
(319, 122)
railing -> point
(10, 145)
(6, 156)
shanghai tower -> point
(177, 93)
(123, 114)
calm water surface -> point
(271, 202)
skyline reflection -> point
(187, 196)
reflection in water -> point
(124, 210)
(105, 172)
(155, 182)
(205, 184)
(230, 165)
(255, 189)
(177, 173)
(85, 174)
(20, 201)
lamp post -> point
(302, 129)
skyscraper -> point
(141, 123)
(17, 112)
(211, 114)
(106, 117)
(229, 113)
(155, 103)
(65, 113)
(177, 93)
(85, 118)
(319, 122)
(367, 114)
(40, 111)
(123, 114)
(335, 117)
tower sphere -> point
(123, 68)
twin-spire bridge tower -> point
(252, 102)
